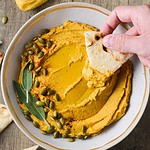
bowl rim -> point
(4, 94)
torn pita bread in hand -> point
(32, 148)
(102, 59)
(5, 118)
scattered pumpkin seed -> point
(62, 120)
(42, 41)
(56, 134)
(47, 101)
(70, 139)
(4, 19)
(30, 52)
(59, 115)
(36, 124)
(50, 129)
(57, 97)
(43, 132)
(28, 117)
(51, 92)
(40, 54)
(64, 135)
(55, 114)
(28, 45)
(44, 71)
(79, 137)
(83, 129)
(36, 48)
(59, 125)
(37, 83)
(46, 110)
(51, 105)
(43, 91)
(67, 131)
(85, 137)
(40, 103)
(26, 112)
(44, 31)
(31, 66)
(52, 118)
(49, 44)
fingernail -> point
(107, 41)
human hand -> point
(137, 39)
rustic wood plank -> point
(12, 138)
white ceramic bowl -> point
(55, 16)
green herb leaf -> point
(27, 80)
(38, 112)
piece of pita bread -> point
(29, 4)
(100, 58)
(32, 148)
(5, 118)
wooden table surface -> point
(12, 138)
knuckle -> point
(119, 42)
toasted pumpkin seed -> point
(40, 103)
(52, 118)
(31, 66)
(44, 71)
(43, 91)
(51, 92)
(43, 132)
(50, 129)
(83, 129)
(70, 139)
(28, 117)
(67, 131)
(46, 110)
(59, 115)
(59, 125)
(57, 97)
(26, 112)
(64, 135)
(30, 52)
(40, 54)
(55, 114)
(37, 83)
(62, 120)
(79, 137)
(4, 19)
(36, 124)
(56, 134)
(47, 101)
(49, 44)
(42, 41)
(51, 105)
(85, 137)
(28, 45)
(44, 31)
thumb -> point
(122, 42)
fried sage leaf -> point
(38, 112)
(27, 80)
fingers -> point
(145, 61)
(132, 31)
(118, 15)
(123, 43)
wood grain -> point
(12, 138)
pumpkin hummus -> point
(89, 100)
